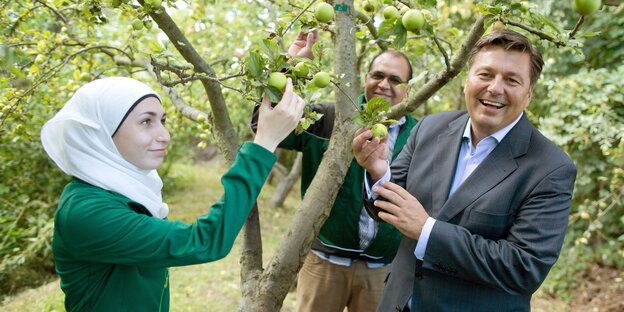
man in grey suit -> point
(481, 197)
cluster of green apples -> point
(278, 80)
(412, 19)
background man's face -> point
(386, 73)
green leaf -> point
(548, 22)
(270, 48)
(386, 28)
(274, 94)
(317, 51)
(255, 64)
(358, 119)
(401, 37)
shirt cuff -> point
(370, 195)
(421, 245)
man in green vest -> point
(348, 261)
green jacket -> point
(112, 255)
(339, 235)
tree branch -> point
(444, 76)
(536, 32)
(368, 22)
(225, 136)
(577, 26)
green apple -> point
(137, 24)
(148, 24)
(321, 79)
(379, 131)
(277, 80)
(585, 7)
(324, 12)
(413, 19)
(498, 25)
(390, 13)
(156, 3)
(368, 6)
(39, 59)
(300, 70)
(84, 77)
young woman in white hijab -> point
(112, 242)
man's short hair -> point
(395, 54)
(511, 40)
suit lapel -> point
(494, 168)
(447, 149)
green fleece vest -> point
(340, 230)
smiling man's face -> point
(498, 88)
(387, 78)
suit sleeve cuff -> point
(421, 245)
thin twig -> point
(536, 32)
(577, 26)
(345, 93)
(297, 17)
(446, 58)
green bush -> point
(585, 115)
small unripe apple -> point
(201, 118)
(321, 79)
(585, 7)
(390, 13)
(39, 59)
(137, 24)
(368, 6)
(277, 80)
(300, 70)
(156, 3)
(84, 77)
(148, 24)
(379, 131)
(498, 25)
(413, 19)
(324, 12)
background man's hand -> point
(371, 153)
(303, 44)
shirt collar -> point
(399, 123)
(498, 135)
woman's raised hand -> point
(274, 124)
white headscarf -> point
(79, 140)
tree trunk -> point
(286, 183)
(272, 286)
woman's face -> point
(142, 138)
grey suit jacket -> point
(500, 232)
